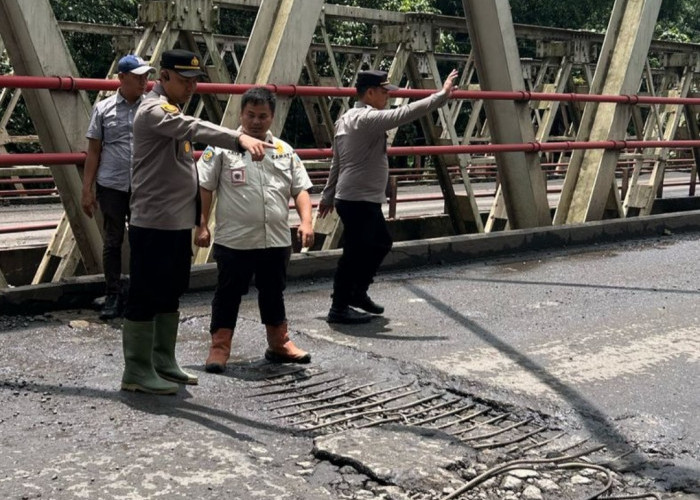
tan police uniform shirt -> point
(164, 178)
(360, 167)
(252, 197)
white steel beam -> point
(590, 178)
(36, 47)
(498, 66)
(276, 51)
(641, 195)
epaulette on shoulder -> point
(169, 108)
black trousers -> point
(114, 205)
(235, 271)
(366, 243)
(160, 271)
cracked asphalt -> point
(601, 342)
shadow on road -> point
(376, 329)
(596, 422)
(175, 406)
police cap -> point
(183, 62)
(374, 78)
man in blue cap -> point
(165, 206)
(107, 171)
(357, 187)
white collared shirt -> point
(252, 207)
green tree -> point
(594, 14)
(679, 20)
(92, 53)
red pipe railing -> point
(73, 84)
(70, 83)
(318, 153)
(26, 180)
(28, 227)
(530, 147)
(18, 192)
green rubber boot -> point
(166, 326)
(139, 375)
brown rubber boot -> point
(219, 351)
(281, 349)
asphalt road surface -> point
(599, 343)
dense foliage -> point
(678, 20)
(93, 53)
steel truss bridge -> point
(586, 102)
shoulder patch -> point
(169, 108)
(208, 154)
(281, 151)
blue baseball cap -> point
(134, 64)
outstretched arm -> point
(254, 146)
(169, 121)
(386, 119)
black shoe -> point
(366, 304)
(274, 357)
(110, 309)
(347, 315)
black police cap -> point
(183, 62)
(374, 78)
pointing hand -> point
(254, 146)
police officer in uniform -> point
(356, 187)
(164, 208)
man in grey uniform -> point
(110, 141)
(357, 185)
(164, 209)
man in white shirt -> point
(252, 234)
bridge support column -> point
(492, 35)
(36, 47)
(276, 51)
(590, 178)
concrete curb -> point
(79, 292)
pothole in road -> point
(416, 440)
